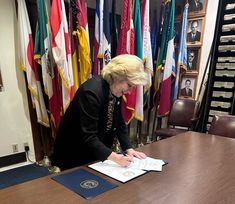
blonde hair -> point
(125, 67)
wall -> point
(14, 115)
(209, 29)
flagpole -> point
(77, 57)
(150, 137)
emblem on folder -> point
(88, 184)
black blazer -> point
(196, 38)
(184, 93)
(86, 132)
(193, 67)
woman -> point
(93, 118)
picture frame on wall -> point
(195, 31)
(193, 59)
(197, 7)
(188, 86)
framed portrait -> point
(188, 86)
(195, 30)
(197, 8)
(193, 59)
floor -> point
(14, 166)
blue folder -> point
(84, 183)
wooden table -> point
(201, 169)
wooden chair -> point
(182, 118)
(223, 125)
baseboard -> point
(12, 159)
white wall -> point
(14, 115)
(209, 29)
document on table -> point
(115, 171)
(138, 167)
(148, 164)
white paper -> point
(115, 171)
(124, 174)
(148, 164)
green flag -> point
(139, 113)
(43, 55)
(137, 27)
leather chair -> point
(183, 113)
(223, 125)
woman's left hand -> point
(140, 155)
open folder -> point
(137, 168)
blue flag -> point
(182, 57)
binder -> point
(84, 183)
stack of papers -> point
(147, 164)
(138, 167)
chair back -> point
(223, 125)
(182, 112)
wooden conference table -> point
(201, 170)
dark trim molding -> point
(12, 159)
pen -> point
(124, 153)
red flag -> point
(126, 36)
(126, 46)
(61, 49)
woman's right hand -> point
(122, 160)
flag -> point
(126, 46)
(28, 64)
(165, 98)
(61, 49)
(96, 67)
(43, 55)
(157, 76)
(126, 35)
(74, 42)
(83, 41)
(139, 113)
(147, 49)
(104, 46)
(114, 30)
(154, 35)
(161, 54)
(182, 56)
(137, 29)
